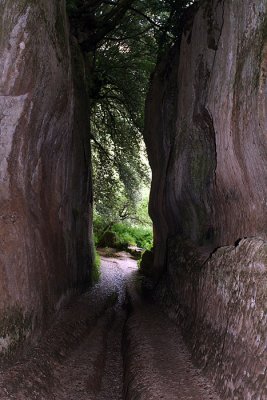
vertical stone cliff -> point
(206, 128)
(206, 132)
(44, 166)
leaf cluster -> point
(122, 41)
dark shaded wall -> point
(206, 129)
(206, 138)
(44, 167)
(220, 304)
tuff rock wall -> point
(206, 121)
(206, 128)
(220, 302)
(44, 167)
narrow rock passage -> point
(81, 355)
(158, 364)
(95, 369)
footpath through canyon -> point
(205, 125)
(110, 343)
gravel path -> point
(80, 357)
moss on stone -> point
(200, 167)
(15, 327)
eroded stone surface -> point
(221, 305)
(206, 129)
(206, 137)
(79, 357)
(44, 181)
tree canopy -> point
(122, 41)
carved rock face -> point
(206, 137)
(220, 305)
(206, 129)
(44, 190)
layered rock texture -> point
(220, 303)
(44, 167)
(206, 137)
(206, 128)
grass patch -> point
(133, 235)
(123, 235)
(95, 274)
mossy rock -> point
(15, 327)
(109, 239)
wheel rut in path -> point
(80, 357)
(157, 362)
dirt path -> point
(95, 369)
(158, 364)
(80, 357)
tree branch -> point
(108, 23)
(150, 20)
(121, 39)
(102, 148)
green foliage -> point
(133, 235)
(72, 6)
(127, 235)
(122, 41)
(136, 230)
(143, 217)
(131, 217)
(95, 273)
(122, 70)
